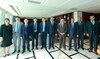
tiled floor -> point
(54, 53)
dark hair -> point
(35, 18)
(43, 18)
(17, 17)
(7, 19)
(92, 15)
(71, 18)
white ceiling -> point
(47, 8)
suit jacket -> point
(41, 28)
(28, 30)
(81, 27)
(99, 28)
(19, 28)
(62, 29)
(73, 32)
(92, 28)
(32, 28)
(52, 30)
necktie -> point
(52, 23)
(25, 29)
(35, 27)
(17, 28)
(92, 22)
(79, 23)
(72, 25)
(43, 27)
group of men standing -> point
(74, 30)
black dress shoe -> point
(8, 54)
(29, 51)
(41, 47)
(13, 51)
(78, 47)
(82, 48)
(69, 49)
(53, 47)
(23, 52)
(76, 50)
(32, 48)
(4, 56)
(37, 48)
(18, 51)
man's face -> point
(52, 19)
(26, 21)
(43, 20)
(92, 17)
(62, 20)
(72, 20)
(35, 20)
(6, 22)
(17, 19)
(79, 19)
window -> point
(0, 17)
(6, 16)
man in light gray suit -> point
(17, 36)
(62, 29)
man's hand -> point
(39, 34)
(55, 34)
(47, 34)
(99, 35)
(61, 33)
(88, 35)
(84, 34)
(77, 35)
(21, 38)
(1, 38)
(67, 34)
(29, 36)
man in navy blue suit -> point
(34, 32)
(81, 31)
(52, 32)
(93, 33)
(72, 33)
(25, 35)
(43, 32)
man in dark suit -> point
(34, 32)
(99, 31)
(52, 32)
(92, 33)
(62, 29)
(43, 32)
(25, 35)
(81, 31)
(72, 33)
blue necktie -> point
(72, 25)
(43, 27)
(17, 28)
(25, 29)
(79, 23)
(35, 27)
